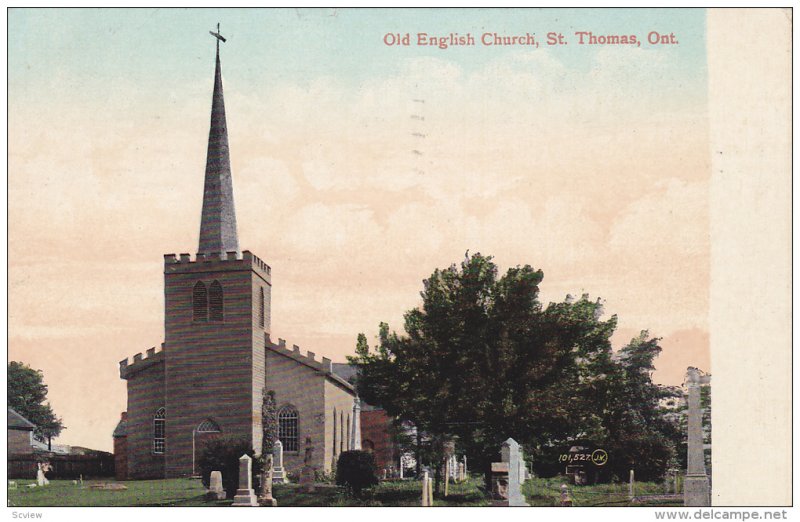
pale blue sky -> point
(71, 54)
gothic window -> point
(215, 301)
(287, 428)
(261, 307)
(159, 422)
(349, 431)
(208, 426)
(200, 302)
(341, 429)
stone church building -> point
(218, 356)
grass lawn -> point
(190, 492)
(547, 492)
(172, 492)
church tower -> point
(217, 357)
(217, 317)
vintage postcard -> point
(399, 257)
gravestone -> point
(307, 473)
(427, 490)
(245, 496)
(566, 500)
(630, 485)
(278, 474)
(696, 491)
(215, 489)
(506, 477)
(42, 467)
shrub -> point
(355, 470)
(222, 454)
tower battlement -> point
(174, 263)
(139, 363)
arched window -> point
(343, 437)
(159, 425)
(287, 428)
(208, 426)
(200, 302)
(261, 307)
(215, 301)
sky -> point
(358, 168)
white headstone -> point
(215, 489)
(510, 453)
(278, 473)
(245, 496)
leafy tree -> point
(27, 394)
(640, 433)
(482, 360)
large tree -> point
(482, 360)
(27, 394)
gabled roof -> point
(18, 422)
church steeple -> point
(218, 221)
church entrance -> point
(206, 431)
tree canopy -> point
(27, 395)
(483, 360)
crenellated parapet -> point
(129, 367)
(184, 263)
(309, 359)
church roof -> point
(121, 430)
(345, 371)
(18, 422)
(218, 221)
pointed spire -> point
(218, 221)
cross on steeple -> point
(217, 36)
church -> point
(218, 357)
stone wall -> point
(121, 458)
(145, 397)
(301, 386)
(338, 421)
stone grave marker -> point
(506, 479)
(696, 490)
(245, 496)
(307, 473)
(278, 473)
(215, 489)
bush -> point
(355, 470)
(222, 454)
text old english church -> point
(217, 357)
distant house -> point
(20, 434)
